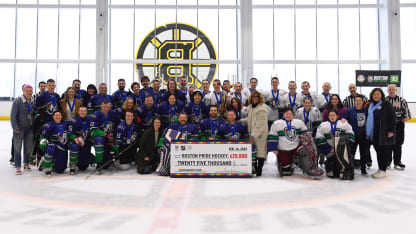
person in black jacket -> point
(148, 159)
(380, 129)
(357, 116)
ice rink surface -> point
(125, 202)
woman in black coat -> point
(148, 159)
(380, 128)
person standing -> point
(356, 117)
(256, 122)
(70, 104)
(21, 117)
(349, 101)
(380, 129)
(402, 116)
(120, 96)
(335, 104)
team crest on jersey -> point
(290, 134)
(177, 41)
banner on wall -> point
(368, 78)
(210, 159)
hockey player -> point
(334, 138)
(169, 110)
(218, 98)
(80, 141)
(95, 102)
(172, 89)
(247, 91)
(238, 87)
(146, 112)
(187, 131)
(273, 98)
(209, 127)
(146, 90)
(54, 140)
(292, 99)
(233, 129)
(325, 97)
(310, 115)
(135, 87)
(197, 110)
(103, 124)
(307, 93)
(205, 89)
(79, 93)
(157, 93)
(127, 134)
(48, 102)
(120, 96)
(284, 142)
(183, 88)
(128, 105)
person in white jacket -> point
(256, 122)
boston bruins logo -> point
(177, 41)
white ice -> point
(125, 202)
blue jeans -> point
(25, 137)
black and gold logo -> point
(177, 41)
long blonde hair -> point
(261, 98)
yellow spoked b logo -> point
(177, 41)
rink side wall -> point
(5, 107)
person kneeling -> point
(148, 159)
(284, 141)
(54, 141)
(80, 141)
(124, 149)
(334, 139)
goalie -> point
(288, 139)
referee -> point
(350, 100)
(402, 115)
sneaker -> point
(11, 160)
(379, 174)
(48, 173)
(27, 168)
(18, 171)
(369, 164)
(399, 166)
(72, 171)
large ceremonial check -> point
(210, 159)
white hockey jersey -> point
(323, 100)
(293, 102)
(285, 135)
(312, 95)
(273, 100)
(312, 119)
(325, 137)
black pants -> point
(361, 140)
(383, 152)
(395, 151)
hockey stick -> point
(111, 160)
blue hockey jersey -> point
(209, 128)
(95, 102)
(196, 113)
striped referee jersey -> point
(350, 100)
(400, 106)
